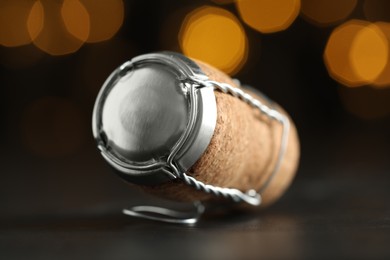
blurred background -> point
(327, 62)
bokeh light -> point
(105, 17)
(215, 36)
(377, 10)
(337, 51)
(35, 19)
(383, 80)
(76, 19)
(268, 16)
(13, 18)
(52, 127)
(54, 37)
(369, 53)
(326, 12)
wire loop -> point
(251, 197)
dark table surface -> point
(317, 218)
(58, 199)
(337, 207)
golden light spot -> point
(327, 12)
(383, 80)
(268, 16)
(35, 19)
(369, 52)
(76, 19)
(106, 17)
(54, 37)
(13, 18)
(214, 36)
(52, 127)
(337, 53)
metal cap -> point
(152, 119)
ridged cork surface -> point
(242, 152)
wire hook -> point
(166, 215)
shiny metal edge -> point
(193, 149)
(198, 138)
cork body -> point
(242, 153)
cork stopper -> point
(156, 117)
(242, 153)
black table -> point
(324, 218)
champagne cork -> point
(238, 148)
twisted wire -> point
(247, 98)
(251, 197)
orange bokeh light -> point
(369, 53)
(268, 16)
(356, 53)
(13, 18)
(76, 19)
(327, 12)
(383, 80)
(35, 19)
(105, 17)
(54, 37)
(215, 36)
(62, 27)
(337, 51)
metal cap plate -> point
(151, 118)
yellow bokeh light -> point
(76, 19)
(13, 18)
(383, 80)
(35, 19)
(215, 36)
(327, 12)
(106, 17)
(268, 16)
(337, 51)
(356, 53)
(369, 52)
(54, 37)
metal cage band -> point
(251, 196)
